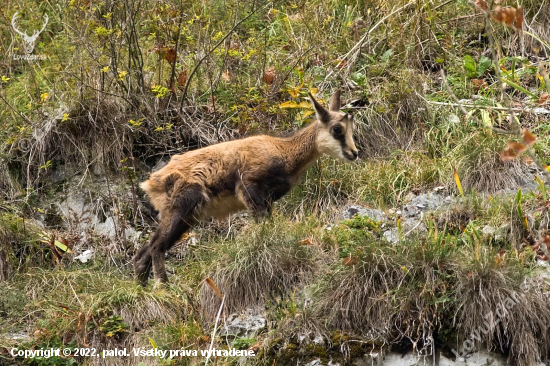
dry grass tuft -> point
(266, 259)
(482, 170)
(517, 306)
(392, 120)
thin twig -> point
(478, 106)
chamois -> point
(250, 173)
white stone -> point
(84, 256)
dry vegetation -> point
(435, 86)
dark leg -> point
(256, 201)
(143, 261)
(177, 227)
(173, 225)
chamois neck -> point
(300, 150)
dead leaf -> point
(479, 84)
(482, 4)
(350, 261)
(543, 98)
(255, 348)
(518, 147)
(519, 17)
(306, 241)
(226, 76)
(269, 75)
(508, 154)
(340, 63)
(528, 137)
(182, 79)
(213, 286)
(505, 15)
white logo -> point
(28, 41)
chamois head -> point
(335, 134)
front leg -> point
(255, 199)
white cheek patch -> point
(329, 145)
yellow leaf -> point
(65, 117)
(486, 119)
(105, 69)
(43, 97)
(458, 184)
(294, 93)
(305, 105)
(313, 91)
(308, 113)
(289, 104)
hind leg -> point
(143, 260)
(173, 226)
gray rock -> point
(353, 210)
(109, 229)
(425, 202)
(480, 358)
(17, 336)
(59, 174)
(244, 324)
(409, 227)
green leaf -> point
(484, 64)
(62, 246)
(470, 66)
(386, 56)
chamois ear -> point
(320, 111)
(334, 104)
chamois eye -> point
(337, 130)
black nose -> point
(355, 154)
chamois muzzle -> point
(351, 155)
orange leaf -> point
(508, 154)
(269, 75)
(350, 261)
(505, 15)
(482, 4)
(528, 137)
(543, 98)
(306, 241)
(182, 79)
(519, 17)
(214, 287)
(509, 15)
(340, 63)
(518, 147)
